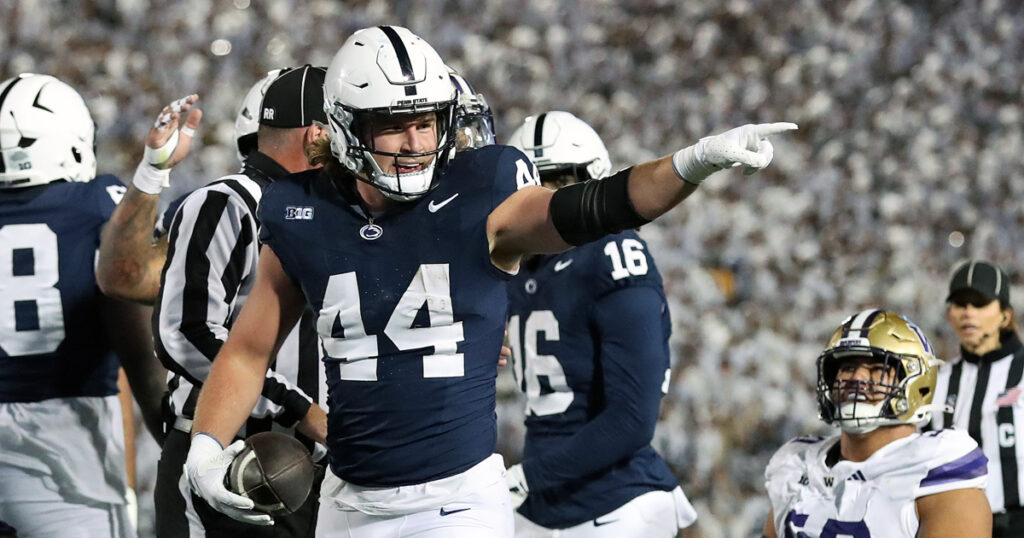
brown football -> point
(274, 470)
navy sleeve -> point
(163, 224)
(620, 261)
(513, 171)
(634, 359)
(108, 191)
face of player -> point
(976, 321)
(408, 135)
(859, 379)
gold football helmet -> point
(900, 373)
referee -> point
(210, 268)
(982, 387)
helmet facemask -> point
(357, 153)
(861, 405)
(474, 130)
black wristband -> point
(584, 212)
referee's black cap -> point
(295, 98)
(981, 277)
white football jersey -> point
(873, 498)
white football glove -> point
(205, 467)
(517, 488)
(131, 505)
(746, 146)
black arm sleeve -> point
(585, 212)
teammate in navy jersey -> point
(404, 254)
(593, 383)
(62, 446)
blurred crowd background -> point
(908, 159)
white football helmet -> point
(560, 144)
(474, 122)
(46, 133)
(381, 72)
(248, 120)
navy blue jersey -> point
(52, 342)
(589, 330)
(410, 312)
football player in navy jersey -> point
(62, 446)
(404, 254)
(593, 383)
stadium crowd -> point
(909, 144)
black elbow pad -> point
(585, 212)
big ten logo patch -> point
(298, 213)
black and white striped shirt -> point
(985, 394)
(212, 256)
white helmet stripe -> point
(862, 322)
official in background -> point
(210, 268)
(982, 387)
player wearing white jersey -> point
(878, 477)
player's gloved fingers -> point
(225, 497)
(721, 151)
(233, 449)
(255, 518)
(764, 148)
(763, 130)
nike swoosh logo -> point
(450, 512)
(562, 264)
(434, 206)
(599, 523)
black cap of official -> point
(295, 98)
(982, 277)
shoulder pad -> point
(952, 456)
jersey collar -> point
(1010, 345)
